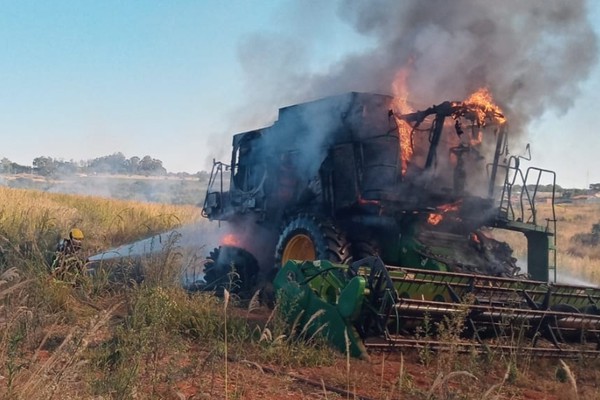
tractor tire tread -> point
(219, 263)
(330, 242)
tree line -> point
(115, 163)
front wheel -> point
(231, 268)
(308, 238)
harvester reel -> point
(307, 237)
(231, 268)
(552, 331)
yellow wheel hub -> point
(300, 247)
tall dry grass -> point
(64, 340)
(572, 219)
(32, 222)
(91, 338)
(48, 324)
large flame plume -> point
(482, 103)
(400, 90)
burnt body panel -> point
(346, 141)
(341, 159)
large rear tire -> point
(365, 247)
(307, 237)
(231, 268)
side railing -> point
(521, 207)
(215, 191)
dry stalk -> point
(43, 342)
(311, 320)
(296, 322)
(319, 330)
(441, 381)
(9, 275)
(32, 387)
(254, 303)
(570, 377)
(347, 342)
(15, 287)
(254, 364)
(225, 304)
(498, 386)
(382, 371)
(324, 389)
(401, 375)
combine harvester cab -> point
(353, 176)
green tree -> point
(133, 165)
(151, 166)
(6, 166)
(44, 166)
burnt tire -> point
(308, 237)
(363, 248)
(231, 268)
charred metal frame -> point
(558, 313)
(383, 204)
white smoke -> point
(192, 243)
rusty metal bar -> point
(569, 320)
(395, 342)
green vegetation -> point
(115, 163)
(171, 190)
(114, 176)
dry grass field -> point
(575, 259)
(85, 337)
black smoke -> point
(532, 55)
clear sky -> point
(81, 79)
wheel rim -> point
(300, 247)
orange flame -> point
(484, 107)
(364, 202)
(230, 240)
(400, 90)
(406, 149)
(436, 217)
(477, 139)
(475, 238)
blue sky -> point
(82, 79)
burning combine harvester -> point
(381, 218)
(370, 220)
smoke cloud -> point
(532, 55)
